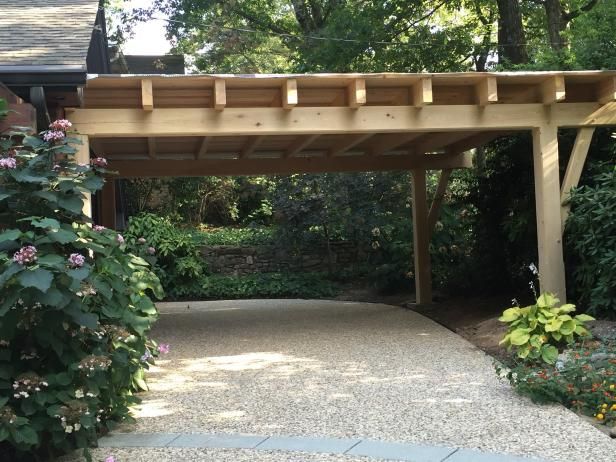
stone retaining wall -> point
(226, 259)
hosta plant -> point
(75, 306)
(537, 331)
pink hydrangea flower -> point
(25, 255)
(164, 348)
(53, 135)
(141, 240)
(110, 459)
(60, 125)
(8, 163)
(99, 162)
(120, 239)
(151, 250)
(76, 260)
(98, 228)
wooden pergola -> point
(197, 125)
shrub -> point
(235, 236)
(584, 381)
(179, 262)
(264, 285)
(591, 234)
(536, 331)
(75, 307)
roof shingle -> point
(46, 32)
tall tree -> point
(558, 19)
(511, 37)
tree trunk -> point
(556, 24)
(511, 37)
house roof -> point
(49, 33)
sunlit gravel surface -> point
(341, 369)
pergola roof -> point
(325, 122)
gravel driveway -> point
(342, 369)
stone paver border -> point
(406, 452)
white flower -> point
(77, 427)
(69, 429)
(79, 394)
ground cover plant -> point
(75, 306)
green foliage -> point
(179, 261)
(262, 285)
(591, 234)
(585, 381)
(235, 236)
(75, 307)
(536, 331)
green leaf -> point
(26, 435)
(62, 236)
(4, 433)
(519, 337)
(51, 259)
(568, 327)
(73, 204)
(523, 351)
(553, 325)
(549, 353)
(10, 235)
(547, 300)
(584, 317)
(567, 308)
(39, 278)
(46, 223)
(510, 314)
(32, 141)
(88, 320)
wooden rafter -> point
(606, 90)
(220, 94)
(347, 143)
(553, 89)
(152, 148)
(205, 142)
(422, 92)
(385, 143)
(436, 141)
(300, 143)
(474, 141)
(357, 93)
(250, 146)
(486, 91)
(147, 95)
(289, 94)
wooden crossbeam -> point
(486, 91)
(147, 96)
(435, 141)
(606, 90)
(152, 148)
(250, 146)
(474, 141)
(331, 120)
(422, 92)
(301, 143)
(439, 195)
(289, 94)
(574, 169)
(220, 94)
(347, 143)
(205, 142)
(553, 89)
(357, 93)
(185, 167)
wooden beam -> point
(436, 141)
(553, 89)
(421, 238)
(300, 143)
(147, 96)
(250, 146)
(574, 169)
(486, 91)
(20, 115)
(205, 142)
(606, 90)
(289, 94)
(357, 93)
(441, 188)
(422, 92)
(108, 204)
(152, 148)
(331, 120)
(389, 142)
(82, 156)
(166, 168)
(220, 94)
(347, 143)
(547, 198)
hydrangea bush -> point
(75, 305)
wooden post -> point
(421, 238)
(547, 199)
(108, 204)
(83, 157)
